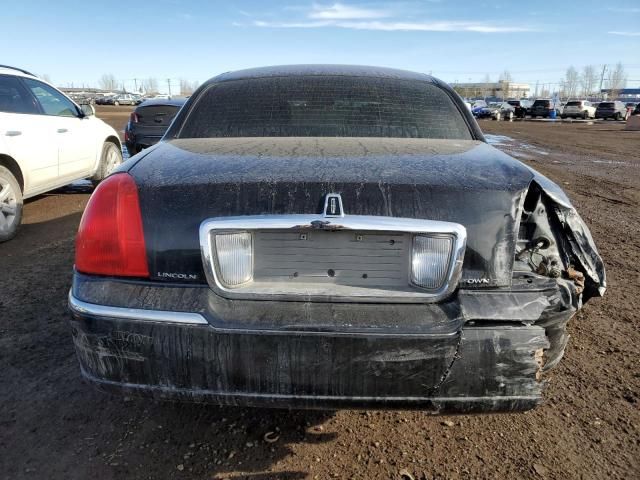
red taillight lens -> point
(110, 239)
(133, 118)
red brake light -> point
(110, 238)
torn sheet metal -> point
(579, 239)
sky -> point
(75, 42)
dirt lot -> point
(53, 425)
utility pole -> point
(536, 94)
(604, 69)
(135, 84)
(169, 85)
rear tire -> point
(111, 158)
(10, 205)
(585, 115)
(116, 103)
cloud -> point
(340, 11)
(625, 34)
(389, 18)
(392, 26)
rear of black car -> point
(519, 108)
(614, 110)
(327, 237)
(149, 122)
(542, 108)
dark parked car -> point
(636, 111)
(544, 107)
(328, 237)
(520, 107)
(495, 111)
(149, 121)
(102, 100)
(616, 110)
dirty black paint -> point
(184, 182)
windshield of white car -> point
(325, 106)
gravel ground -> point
(55, 426)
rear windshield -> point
(156, 114)
(514, 103)
(573, 104)
(325, 106)
(541, 103)
(606, 104)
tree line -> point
(148, 86)
(589, 81)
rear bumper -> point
(444, 364)
(137, 142)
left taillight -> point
(110, 238)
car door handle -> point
(62, 130)
(13, 133)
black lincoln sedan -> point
(149, 121)
(328, 237)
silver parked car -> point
(579, 109)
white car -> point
(579, 109)
(46, 141)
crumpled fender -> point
(579, 240)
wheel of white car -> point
(10, 205)
(110, 160)
(510, 115)
(497, 116)
(116, 103)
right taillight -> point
(110, 238)
(430, 260)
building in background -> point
(623, 94)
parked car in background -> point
(124, 99)
(102, 99)
(615, 110)
(636, 111)
(149, 121)
(520, 107)
(631, 106)
(496, 111)
(544, 107)
(46, 141)
(579, 109)
(328, 237)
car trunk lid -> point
(184, 182)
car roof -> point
(18, 72)
(175, 101)
(322, 70)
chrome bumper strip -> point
(138, 314)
